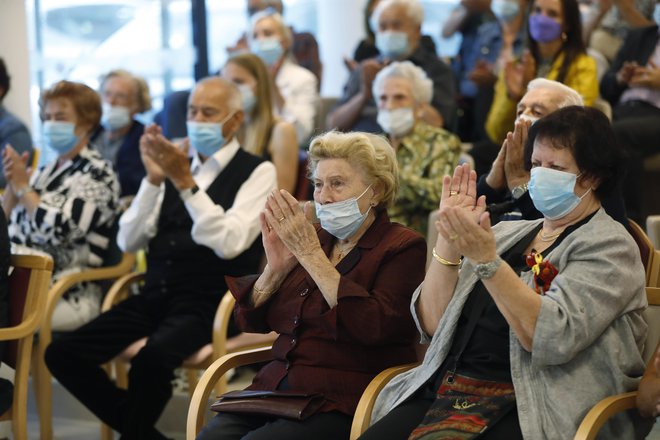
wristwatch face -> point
(518, 191)
(487, 270)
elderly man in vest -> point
(199, 221)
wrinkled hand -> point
(517, 74)
(482, 74)
(172, 160)
(280, 259)
(15, 166)
(370, 69)
(350, 64)
(286, 218)
(656, 364)
(496, 178)
(155, 174)
(646, 77)
(462, 220)
(626, 72)
(514, 161)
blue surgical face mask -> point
(59, 136)
(342, 219)
(268, 49)
(206, 137)
(249, 100)
(505, 10)
(115, 117)
(392, 44)
(553, 192)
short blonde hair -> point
(371, 153)
(142, 95)
(279, 21)
(420, 84)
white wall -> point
(14, 51)
(340, 29)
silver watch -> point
(487, 270)
(518, 191)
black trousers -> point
(400, 422)
(176, 327)
(323, 426)
(637, 129)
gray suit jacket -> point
(588, 337)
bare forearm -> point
(344, 117)
(323, 273)
(266, 285)
(633, 16)
(517, 302)
(438, 289)
(30, 201)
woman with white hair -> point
(295, 94)
(424, 153)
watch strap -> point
(188, 192)
(22, 191)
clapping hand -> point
(168, 158)
(646, 77)
(514, 161)
(17, 173)
(462, 220)
(517, 74)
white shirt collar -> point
(218, 160)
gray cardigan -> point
(588, 337)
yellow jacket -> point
(581, 77)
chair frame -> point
(212, 375)
(119, 291)
(41, 269)
(42, 379)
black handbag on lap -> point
(286, 404)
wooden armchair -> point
(610, 406)
(41, 377)
(214, 374)
(28, 285)
(199, 360)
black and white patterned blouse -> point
(78, 206)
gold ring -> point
(279, 220)
(453, 236)
(452, 193)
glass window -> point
(80, 40)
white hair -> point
(570, 96)
(414, 10)
(271, 13)
(420, 84)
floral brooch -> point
(544, 271)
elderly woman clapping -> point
(543, 318)
(424, 153)
(337, 294)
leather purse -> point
(287, 404)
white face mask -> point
(115, 117)
(398, 122)
(342, 219)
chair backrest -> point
(653, 229)
(28, 288)
(652, 315)
(644, 243)
(303, 189)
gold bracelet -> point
(259, 291)
(444, 262)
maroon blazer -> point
(338, 351)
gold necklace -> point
(547, 238)
(342, 251)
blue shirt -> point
(14, 132)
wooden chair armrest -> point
(220, 323)
(362, 418)
(206, 383)
(119, 290)
(66, 282)
(601, 412)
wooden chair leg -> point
(43, 390)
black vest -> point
(176, 264)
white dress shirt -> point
(299, 88)
(228, 232)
